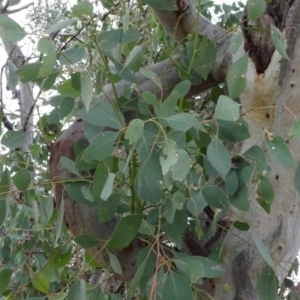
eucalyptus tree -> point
(173, 151)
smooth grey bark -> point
(268, 102)
(25, 91)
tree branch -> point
(17, 9)
(184, 21)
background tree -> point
(174, 151)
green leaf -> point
(101, 147)
(296, 179)
(219, 157)
(168, 107)
(120, 240)
(86, 89)
(40, 282)
(257, 158)
(175, 230)
(176, 288)
(82, 8)
(196, 203)
(137, 278)
(66, 106)
(125, 73)
(114, 263)
(230, 131)
(11, 30)
(108, 208)
(182, 167)
(205, 57)
(169, 211)
(109, 39)
(46, 46)
(264, 193)
(134, 131)
(236, 41)
(191, 270)
(256, 8)
(86, 241)
(59, 220)
(61, 25)
(169, 150)
(62, 255)
(279, 151)
(183, 122)
(12, 77)
(263, 250)
(108, 186)
(227, 109)
(267, 284)
(295, 130)
(5, 276)
(134, 59)
(99, 179)
(210, 268)
(182, 88)
(29, 72)
(104, 115)
(77, 290)
(147, 186)
(215, 197)
(72, 56)
(278, 41)
(4, 210)
(231, 183)
(240, 199)
(67, 89)
(13, 139)
(57, 296)
(22, 179)
(241, 225)
(5, 184)
(236, 77)
(162, 4)
(179, 200)
(68, 164)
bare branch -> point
(18, 9)
(5, 7)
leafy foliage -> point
(155, 174)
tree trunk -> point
(269, 104)
(25, 91)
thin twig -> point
(74, 36)
(5, 7)
(18, 9)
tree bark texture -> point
(269, 104)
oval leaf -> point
(236, 77)
(219, 157)
(134, 130)
(215, 197)
(278, 41)
(86, 241)
(278, 149)
(22, 179)
(227, 109)
(120, 240)
(13, 139)
(256, 8)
